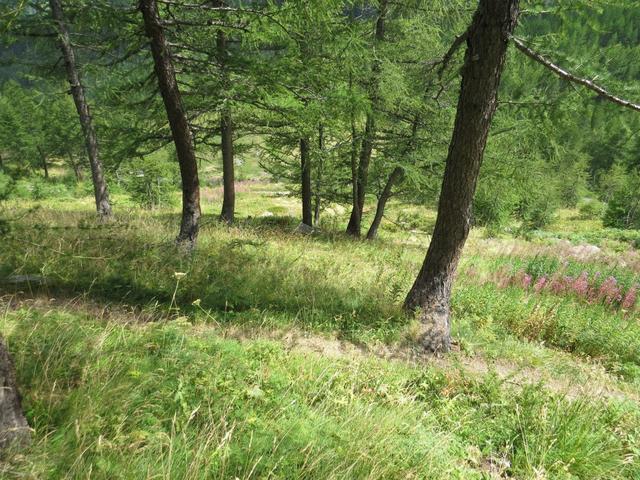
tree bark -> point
(488, 36)
(226, 136)
(76, 168)
(354, 227)
(100, 190)
(180, 131)
(228, 170)
(43, 159)
(317, 196)
(394, 178)
(305, 166)
(14, 430)
(355, 218)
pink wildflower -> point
(581, 285)
(629, 299)
(609, 291)
(540, 283)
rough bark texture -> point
(177, 117)
(305, 166)
(394, 178)
(366, 149)
(14, 430)
(487, 42)
(226, 135)
(228, 171)
(100, 189)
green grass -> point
(178, 397)
(169, 400)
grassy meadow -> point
(270, 354)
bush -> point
(36, 188)
(48, 189)
(491, 210)
(623, 209)
(591, 208)
(537, 213)
(5, 186)
(151, 181)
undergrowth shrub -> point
(590, 208)
(590, 330)
(151, 181)
(623, 208)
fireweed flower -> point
(540, 283)
(629, 300)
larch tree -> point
(366, 143)
(178, 122)
(101, 192)
(487, 40)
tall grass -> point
(167, 400)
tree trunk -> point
(354, 226)
(100, 189)
(177, 117)
(226, 136)
(43, 159)
(488, 36)
(14, 429)
(76, 168)
(305, 166)
(318, 199)
(228, 174)
(394, 178)
(354, 221)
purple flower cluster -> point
(592, 289)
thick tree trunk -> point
(354, 227)
(393, 179)
(228, 173)
(488, 37)
(14, 429)
(100, 189)
(177, 117)
(305, 166)
(226, 135)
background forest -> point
(298, 149)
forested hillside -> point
(320, 239)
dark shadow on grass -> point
(237, 277)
